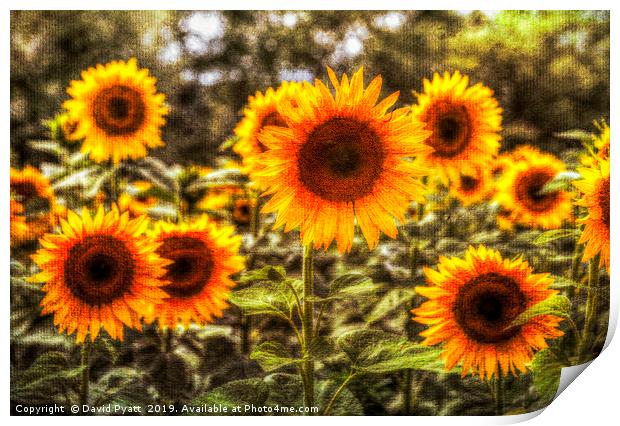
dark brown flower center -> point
(451, 126)
(528, 190)
(341, 160)
(486, 306)
(119, 110)
(99, 269)
(191, 268)
(469, 183)
(603, 201)
(242, 212)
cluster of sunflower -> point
(330, 162)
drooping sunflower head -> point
(99, 272)
(261, 111)
(203, 256)
(471, 185)
(465, 121)
(473, 304)
(341, 158)
(118, 111)
(595, 196)
(35, 195)
(521, 191)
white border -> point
(593, 399)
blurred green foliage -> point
(550, 70)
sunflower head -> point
(465, 121)
(261, 111)
(203, 257)
(117, 111)
(341, 158)
(99, 272)
(595, 196)
(242, 212)
(520, 191)
(34, 193)
(471, 185)
(473, 304)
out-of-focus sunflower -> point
(595, 189)
(242, 212)
(137, 199)
(473, 303)
(520, 192)
(18, 227)
(34, 193)
(99, 272)
(471, 185)
(600, 146)
(341, 158)
(465, 121)
(203, 256)
(118, 111)
(261, 111)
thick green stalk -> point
(307, 325)
(591, 306)
(85, 377)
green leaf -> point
(557, 305)
(561, 182)
(556, 234)
(574, 134)
(268, 273)
(348, 286)
(321, 347)
(546, 372)
(376, 351)
(77, 179)
(48, 374)
(346, 404)
(228, 143)
(48, 147)
(392, 300)
(272, 355)
(267, 297)
(232, 394)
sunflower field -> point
(308, 212)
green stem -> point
(307, 326)
(246, 328)
(255, 219)
(85, 377)
(499, 392)
(574, 269)
(591, 307)
(166, 338)
(336, 394)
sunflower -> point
(519, 191)
(242, 212)
(99, 272)
(471, 185)
(118, 111)
(595, 187)
(261, 111)
(137, 199)
(473, 304)
(36, 198)
(18, 227)
(203, 256)
(341, 158)
(599, 148)
(465, 121)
